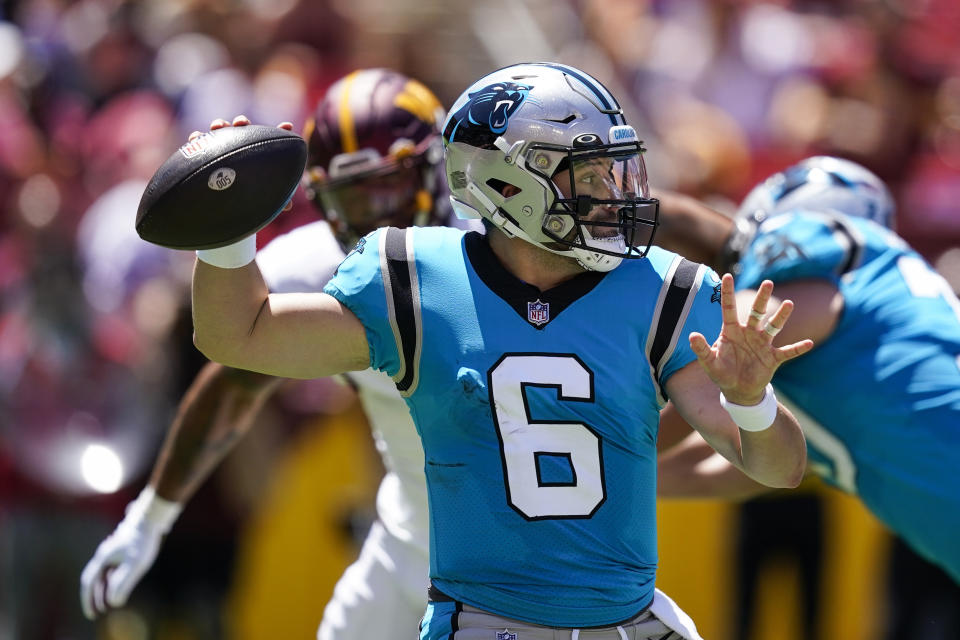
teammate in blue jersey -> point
(534, 361)
(879, 397)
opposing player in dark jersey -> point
(375, 157)
(879, 396)
(534, 361)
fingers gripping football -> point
(242, 121)
(238, 121)
(743, 359)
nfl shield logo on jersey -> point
(538, 313)
(506, 635)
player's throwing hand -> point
(238, 121)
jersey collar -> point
(537, 307)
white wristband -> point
(233, 256)
(755, 417)
(153, 510)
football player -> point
(374, 158)
(879, 397)
(534, 360)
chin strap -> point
(601, 262)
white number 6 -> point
(523, 440)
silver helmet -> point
(823, 183)
(542, 151)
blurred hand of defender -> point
(118, 565)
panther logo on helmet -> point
(542, 152)
(485, 114)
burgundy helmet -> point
(374, 154)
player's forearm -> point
(692, 469)
(777, 455)
(220, 406)
(226, 305)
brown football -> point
(221, 187)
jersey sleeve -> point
(801, 245)
(359, 285)
(302, 260)
(703, 315)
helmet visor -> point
(603, 202)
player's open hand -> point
(743, 359)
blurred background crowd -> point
(95, 336)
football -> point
(221, 187)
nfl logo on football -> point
(538, 313)
(506, 635)
(196, 146)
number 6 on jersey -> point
(524, 442)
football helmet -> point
(374, 154)
(542, 151)
(822, 183)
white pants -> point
(383, 594)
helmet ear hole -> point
(505, 189)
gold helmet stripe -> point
(348, 134)
(419, 101)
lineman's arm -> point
(217, 410)
(688, 467)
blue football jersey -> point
(538, 412)
(880, 398)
